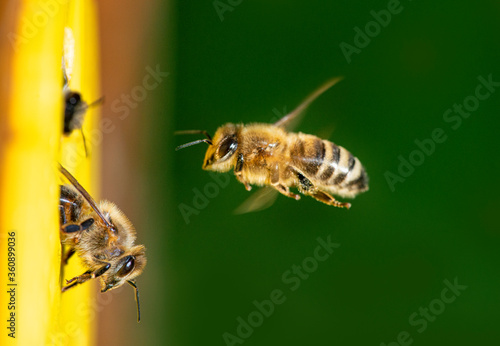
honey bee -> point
(102, 236)
(268, 155)
(74, 112)
(74, 105)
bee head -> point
(129, 266)
(220, 156)
(126, 268)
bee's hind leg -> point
(307, 188)
(327, 199)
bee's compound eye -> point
(127, 267)
(227, 147)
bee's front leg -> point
(77, 280)
(88, 275)
(238, 172)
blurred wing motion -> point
(260, 200)
(286, 121)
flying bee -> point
(102, 236)
(268, 155)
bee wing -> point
(84, 193)
(260, 200)
(287, 119)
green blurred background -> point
(396, 247)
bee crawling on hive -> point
(74, 105)
(268, 155)
(74, 112)
(102, 236)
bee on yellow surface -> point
(74, 105)
(102, 237)
(268, 155)
(74, 112)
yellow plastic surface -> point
(31, 145)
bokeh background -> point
(397, 248)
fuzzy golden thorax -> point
(220, 156)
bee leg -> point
(308, 188)
(238, 168)
(285, 191)
(85, 277)
(247, 185)
(84, 143)
(68, 255)
(77, 280)
(327, 199)
(101, 270)
(275, 183)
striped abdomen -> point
(328, 165)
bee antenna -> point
(131, 283)
(84, 143)
(93, 104)
(194, 132)
(193, 143)
(96, 102)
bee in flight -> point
(268, 155)
(102, 237)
